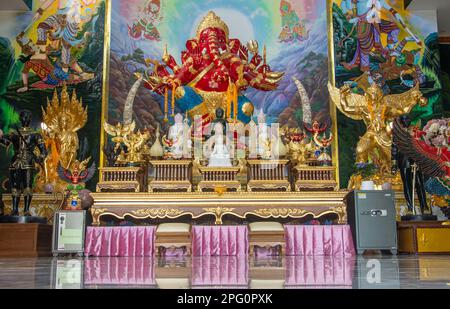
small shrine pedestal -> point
(215, 177)
(268, 175)
(171, 175)
(123, 179)
(314, 178)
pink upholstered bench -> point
(120, 241)
(318, 240)
(219, 240)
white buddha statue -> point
(263, 134)
(220, 156)
(176, 135)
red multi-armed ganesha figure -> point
(213, 73)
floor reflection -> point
(228, 272)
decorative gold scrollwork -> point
(157, 212)
(218, 212)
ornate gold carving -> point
(157, 212)
(268, 185)
(280, 212)
(122, 178)
(42, 205)
(171, 175)
(211, 20)
(96, 213)
(204, 184)
(219, 212)
(314, 178)
(342, 213)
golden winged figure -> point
(135, 142)
(377, 111)
(119, 132)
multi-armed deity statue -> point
(62, 118)
(213, 71)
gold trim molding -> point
(173, 205)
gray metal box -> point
(372, 218)
(69, 231)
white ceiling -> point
(442, 8)
(13, 5)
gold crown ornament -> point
(211, 20)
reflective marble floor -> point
(377, 271)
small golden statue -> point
(62, 118)
(377, 111)
(133, 145)
(299, 149)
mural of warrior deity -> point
(145, 25)
(292, 27)
(56, 34)
(365, 17)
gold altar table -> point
(171, 175)
(239, 204)
(268, 175)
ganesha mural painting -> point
(248, 57)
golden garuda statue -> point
(62, 118)
(130, 146)
(377, 111)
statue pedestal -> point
(25, 240)
(214, 177)
(171, 175)
(314, 178)
(123, 179)
(267, 175)
(42, 205)
(23, 219)
(219, 162)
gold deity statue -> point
(136, 143)
(377, 111)
(62, 118)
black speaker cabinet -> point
(372, 218)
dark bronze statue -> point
(29, 150)
(220, 117)
(413, 165)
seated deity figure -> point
(176, 136)
(220, 156)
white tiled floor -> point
(377, 271)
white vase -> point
(367, 185)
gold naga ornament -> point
(377, 111)
(62, 118)
(136, 143)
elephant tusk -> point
(275, 74)
(273, 80)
